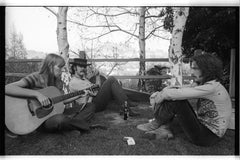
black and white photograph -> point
(121, 80)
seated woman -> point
(210, 123)
(48, 75)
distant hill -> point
(35, 54)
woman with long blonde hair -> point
(48, 75)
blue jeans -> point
(186, 117)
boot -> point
(132, 113)
(132, 104)
(148, 126)
(163, 132)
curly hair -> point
(210, 66)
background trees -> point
(15, 48)
(137, 23)
(212, 29)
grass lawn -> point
(110, 141)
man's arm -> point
(185, 93)
(188, 93)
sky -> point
(38, 27)
(36, 24)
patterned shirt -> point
(214, 106)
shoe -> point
(132, 104)
(149, 126)
(10, 134)
(133, 114)
(162, 132)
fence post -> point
(232, 88)
(232, 74)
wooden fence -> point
(232, 69)
(101, 60)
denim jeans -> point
(186, 117)
(71, 119)
(110, 90)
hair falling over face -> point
(47, 68)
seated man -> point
(110, 90)
(210, 123)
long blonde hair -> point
(47, 67)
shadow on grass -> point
(110, 141)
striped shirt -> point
(38, 81)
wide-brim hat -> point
(80, 62)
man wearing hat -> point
(110, 90)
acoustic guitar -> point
(24, 115)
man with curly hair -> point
(210, 122)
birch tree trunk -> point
(175, 49)
(141, 84)
(63, 45)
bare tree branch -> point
(114, 15)
(73, 52)
(50, 10)
(160, 37)
(95, 26)
(152, 32)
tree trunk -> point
(63, 45)
(175, 49)
(141, 82)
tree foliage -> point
(135, 23)
(15, 48)
(212, 29)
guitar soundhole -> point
(42, 112)
(45, 110)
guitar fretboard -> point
(70, 95)
(66, 96)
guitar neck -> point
(70, 95)
(66, 96)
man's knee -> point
(176, 102)
(111, 79)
